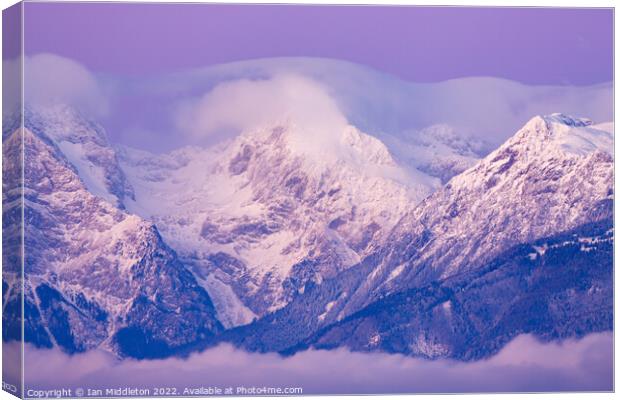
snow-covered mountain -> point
(553, 175)
(85, 144)
(294, 240)
(96, 276)
(437, 150)
(556, 287)
(260, 216)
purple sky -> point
(531, 45)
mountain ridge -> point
(434, 242)
(267, 197)
(94, 272)
(281, 239)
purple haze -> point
(531, 45)
(525, 364)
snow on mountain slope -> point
(268, 212)
(564, 291)
(97, 276)
(554, 174)
(85, 144)
(579, 136)
(437, 150)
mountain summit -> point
(95, 275)
(554, 175)
(277, 240)
(260, 216)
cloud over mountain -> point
(216, 101)
(239, 105)
(71, 84)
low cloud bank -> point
(525, 364)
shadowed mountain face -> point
(97, 276)
(274, 244)
(554, 175)
(556, 287)
(268, 213)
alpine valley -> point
(278, 241)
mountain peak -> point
(568, 120)
(275, 208)
(543, 140)
(549, 177)
(298, 139)
(85, 145)
(561, 135)
(318, 151)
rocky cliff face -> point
(263, 215)
(556, 287)
(306, 245)
(85, 145)
(97, 276)
(554, 175)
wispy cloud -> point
(206, 104)
(525, 364)
(50, 79)
(244, 104)
(236, 95)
